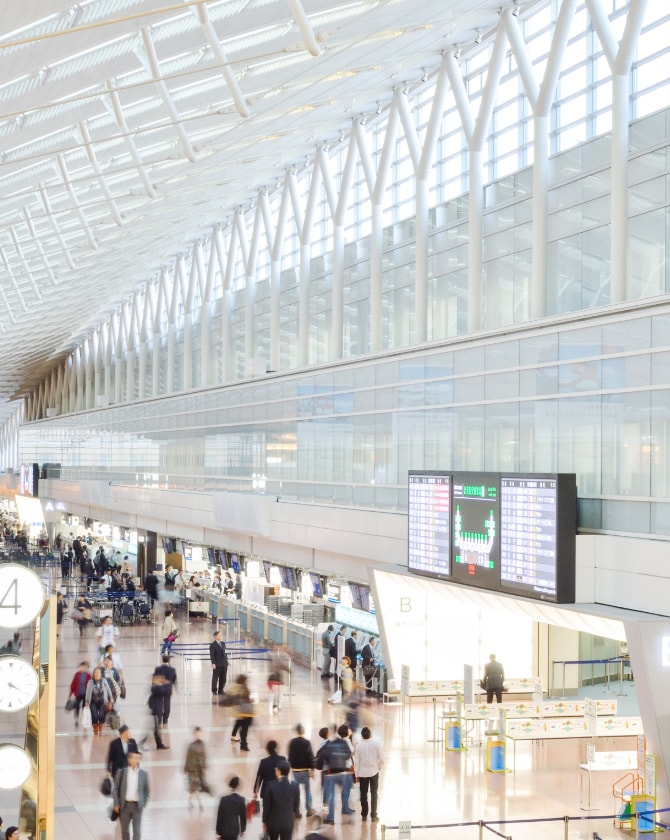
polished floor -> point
(421, 782)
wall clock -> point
(21, 595)
(19, 684)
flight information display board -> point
(429, 543)
(512, 533)
(475, 536)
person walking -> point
(369, 759)
(159, 686)
(151, 587)
(231, 817)
(78, 688)
(243, 711)
(301, 761)
(131, 794)
(280, 805)
(494, 679)
(266, 769)
(99, 699)
(166, 670)
(117, 755)
(337, 763)
(195, 767)
(106, 634)
(219, 659)
(169, 632)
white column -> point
(421, 278)
(538, 291)
(475, 266)
(619, 187)
(337, 294)
(376, 255)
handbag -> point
(113, 719)
(86, 721)
(71, 703)
(106, 786)
(253, 808)
(122, 693)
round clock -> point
(19, 684)
(14, 766)
(21, 595)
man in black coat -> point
(280, 805)
(219, 659)
(151, 587)
(494, 679)
(350, 650)
(267, 768)
(117, 757)
(166, 670)
(231, 818)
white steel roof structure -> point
(129, 127)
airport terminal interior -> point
(372, 300)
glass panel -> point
(626, 444)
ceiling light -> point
(478, 38)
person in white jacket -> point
(368, 760)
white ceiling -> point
(130, 127)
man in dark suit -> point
(166, 670)
(131, 794)
(281, 804)
(494, 679)
(117, 757)
(350, 650)
(219, 659)
(231, 818)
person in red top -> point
(78, 688)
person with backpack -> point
(337, 763)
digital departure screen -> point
(531, 535)
(513, 533)
(475, 536)
(429, 544)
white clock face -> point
(18, 684)
(21, 595)
(14, 766)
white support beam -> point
(202, 14)
(164, 93)
(305, 27)
(38, 244)
(102, 181)
(67, 183)
(114, 107)
(24, 262)
(46, 204)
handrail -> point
(488, 824)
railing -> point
(643, 821)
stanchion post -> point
(481, 829)
(566, 821)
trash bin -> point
(454, 736)
(641, 803)
(495, 756)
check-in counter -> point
(276, 629)
(258, 620)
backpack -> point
(336, 755)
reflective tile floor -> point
(421, 782)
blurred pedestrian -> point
(231, 818)
(301, 761)
(195, 767)
(280, 805)
(243, 710)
